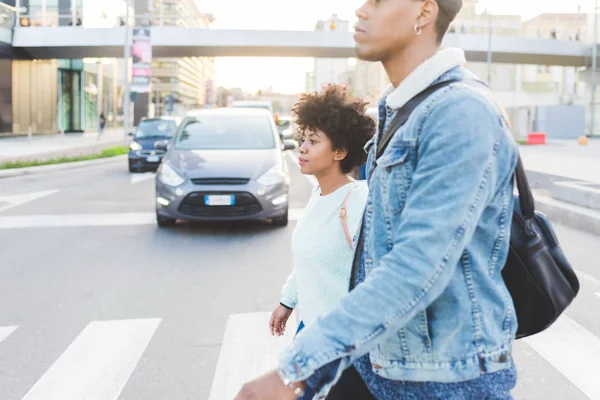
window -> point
(226, 133)
(155, 128)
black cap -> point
(450, 7)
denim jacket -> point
(433, 306)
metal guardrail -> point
(51, 18)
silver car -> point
(224, 164)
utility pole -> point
(127, 55)
(594, 67)
(489, 51)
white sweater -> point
(322, 255)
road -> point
(96, 302)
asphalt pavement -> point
(97, 302)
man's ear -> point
(429, 13)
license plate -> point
(153, 158)
(219, 200)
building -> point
(469, 21)
(328, 70)
(561, 83)
(309, 82)
(50, 96)
(369, 80)
(188, 80)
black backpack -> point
(537, 274)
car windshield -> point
(154, 128)
(253, 105)
(225, 133)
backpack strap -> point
(344, 217)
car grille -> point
(149, 152)
(220, 181)
(245, 205)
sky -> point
(287, 75)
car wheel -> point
(131, 168)
(165, 222)
(281, 220)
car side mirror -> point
(287, 134)
(290, 144)
(130, 134)
(162, 145)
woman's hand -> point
(279, 320)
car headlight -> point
(168, 176)
(135, 146)
(272, 177)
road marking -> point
(597, 294)
(313, 181)
(98, 220)
(74, 220)
(587, 277)
(11, 201)
(137, 178)
(5, 332)
(248, 351)
(98, 364)
(572, 350)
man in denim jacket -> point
(430, 315)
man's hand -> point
(267, 387)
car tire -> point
(282, 220)
(131, 168)
(165, 222)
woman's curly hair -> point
(341, 117)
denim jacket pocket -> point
(395, 174)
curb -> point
(585, 194)
(9, 173)
(571, 215)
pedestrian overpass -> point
(78, 42)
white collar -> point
(423, 76)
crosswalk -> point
(100, 360)
(5, 332)
(98, 364)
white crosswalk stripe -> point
(11, 201)
(572, 350)
(98, 363)
(101, 359)
(6, 331)
(247, 352)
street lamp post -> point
(594, 67)
(127, 55)
(489, 50)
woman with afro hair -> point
(334, 129)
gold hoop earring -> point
(417, 29)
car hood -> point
(250, 164)
(149, 143)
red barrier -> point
(536, 138)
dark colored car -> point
(224, 164)
(143, 153)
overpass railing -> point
(8, 17)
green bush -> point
(106, 153)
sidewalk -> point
(46, 147)
(564, 158)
